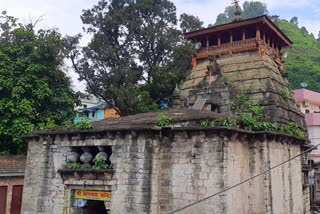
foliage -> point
(163, 120)
(294, 21)
(303, 62)
(252, 118)
(226, 122)
(286, 94)
(294, 129)
(252, 115)
(189, 23)
(250, 10)
(84, 124)
(227, 16)
(253, 9)
(34, 90)
(100, 163)
(304, 31)
(206, 123)
(75, 166)
(136, 51)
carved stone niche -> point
(86, 174)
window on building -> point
(85, 106)
(94, 115)
(307, 111)
(214, 108)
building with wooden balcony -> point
(257, 34)
(242, 57)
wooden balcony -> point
(228, 48)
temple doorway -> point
(96, 207)
(90, 202)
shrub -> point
(163, 120)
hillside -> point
(303, 62)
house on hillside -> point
(309, 104)
(12, 170)
(93, 109)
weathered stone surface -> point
(158, 171)
(245, 73)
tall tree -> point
(250, 10)
(227, 16)
(33, 88)
(294, 21)
(189, 23)
(318, 36)
(253, 9)
(135, 45)
(312, 35)
(304, 30)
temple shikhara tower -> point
(242, 57)
(133, 164)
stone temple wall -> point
(160, 170)
(258, 77)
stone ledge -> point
(105, 174)
(169, 131)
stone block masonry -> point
(257, 76)
(159, 170)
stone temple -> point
(243, 57)
(159, 170)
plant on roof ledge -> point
(164, 120)
(84, 124)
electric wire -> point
(244, 181)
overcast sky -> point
(65, 14)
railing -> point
(228, 46)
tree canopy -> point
(189, 23)
(33, 88)
(294, 21)
(303, 62)
(249, 10)
(137, 53)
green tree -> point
(294, 21)
(253, 9)
(227, 16)
(303, 62)
(312, 35)
(33, 88)
(136, 45)
(250, 10)
(189, 23)
(304, 30)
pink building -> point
(309, 103)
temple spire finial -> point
(238, 12)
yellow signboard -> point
(93, 195)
